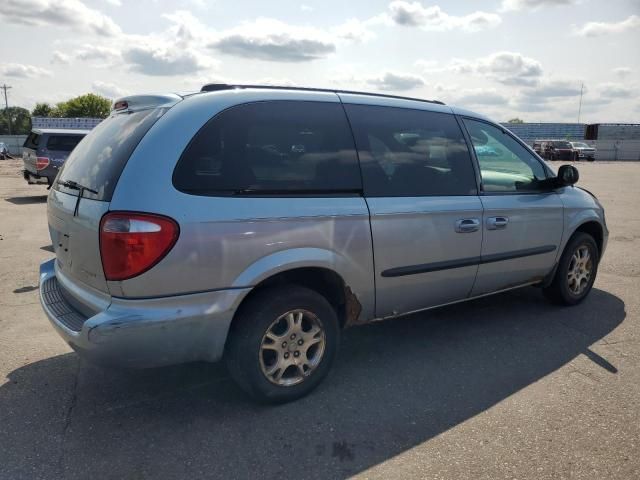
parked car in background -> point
(538, 147)
(4, 151)
(584, 151)
(45, 150)
(252, 224)
(558, 150)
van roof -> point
(215, 87)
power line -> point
(6, 87)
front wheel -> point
(576, 271)
(282, 343)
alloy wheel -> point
(580, 270)
(292, 347)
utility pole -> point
(580, 105)
(6, 87)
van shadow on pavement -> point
(27, 200)
(395, 385)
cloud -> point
(20, 70)
(306, 8)
(615, 90)
(186, 28)
(97, 52)
(57, 57)
(481, 96)
(162, 59)
(622, 72)
(109, 90)
(276, 41)
(596, 29)
(414, 14)
(279, 82)
(354, 30)
(56, 13)
(554, 89)
(510, 5)
(509, 68)
(396, 81)
(114, 3)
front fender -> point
(580, 207)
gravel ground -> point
(504, 387)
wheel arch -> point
(317, 269)
(594, 229)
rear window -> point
(562, 144)
(274, 147)
(32, 141)
(63, 143)
(99, 160)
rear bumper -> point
(143, 333)
(35, 178)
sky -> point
(504, 58)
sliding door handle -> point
(497, 223)
(467, 225)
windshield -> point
(98, 160)
(562, 144)
(580, 145)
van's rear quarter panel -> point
(225, 241)
(237, 242)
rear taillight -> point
(42, 163)
(132, 243)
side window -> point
(505, 165)
(271, 147)
(407, 152)
(63, 143)
(32, 141)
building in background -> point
(72, 123)
(612, 141)
(528, 132)
(615, 141)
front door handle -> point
(467, 225)
(497, 223)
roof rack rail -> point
(215, 87)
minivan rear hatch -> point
(30, 151)
(83, 189)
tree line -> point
(89, 105)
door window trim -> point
(548, 172)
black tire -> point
(558, 291)
(243, 355)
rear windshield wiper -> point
(76, 186)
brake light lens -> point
(42, 163)
(132, 243)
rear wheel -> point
(576, 271)
(283, 343)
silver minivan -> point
(252, 224)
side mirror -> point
(567, 175)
